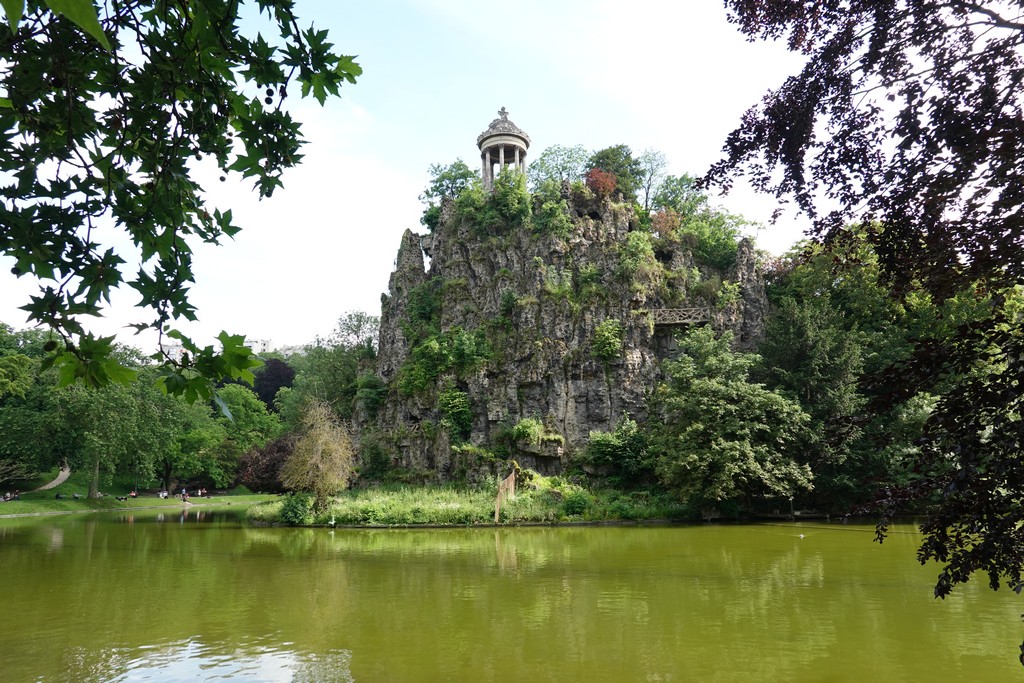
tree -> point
(907, 117)
(260, 468)
(601, 182)
(322, 459)
(446, 182)
(558, 164)
(249, 423)
(720, 437)
(106, 120)
(334, 370)
(619, 161)
(270, 378)
(679, 194)
(652, 169)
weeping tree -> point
(322, 459)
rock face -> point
(563, 327)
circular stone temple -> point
(503, 143)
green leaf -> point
(13, 9)
(5, 103)
(83, 14)
(222, 404)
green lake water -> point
(202, 597)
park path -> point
(62, 477)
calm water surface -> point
(199, 597)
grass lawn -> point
(46, 502)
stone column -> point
(501, 158)
(488, 168)
(517, 157)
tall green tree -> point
(106, 120)
(722, 438)
(906, 115)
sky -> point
(669, 76)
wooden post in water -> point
(506, 488)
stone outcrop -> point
(546, 306)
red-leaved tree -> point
(601, 182)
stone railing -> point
(680, 316)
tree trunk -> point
(94, 480)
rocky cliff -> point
(519, 339)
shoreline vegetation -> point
(549, 500)
(546, 501)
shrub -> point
(529, 429)
(623, 455)
(607, 343)
(297, 509)
(575, 503)
(457, 416)
(511, 199)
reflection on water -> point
(196, 595)
(192, 661)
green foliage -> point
(557, 164)
(618, 160)
(456, 349)
(297, 510)
(720, 437)
(335, 370)
(717, 233)
(652, 165)
(623, 457)
(551, 213)
(680, 194)
(510, 198)
(456, 413)
(507, 206)
(248, 423)
(152, 89)
(637, 264)
(529, 430)
(607, 343)
(508, 304)
(576, 503)
(446, 183)
(370, 394)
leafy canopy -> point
(105, 119)
(907, 117)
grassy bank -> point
(550, 502)
(46, 502)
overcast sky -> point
(672, 76)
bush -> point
(297, 509)
(457, 416)
(623, 456)
(529, 429)
(575, 503)
(511, 199)
(607, 343)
